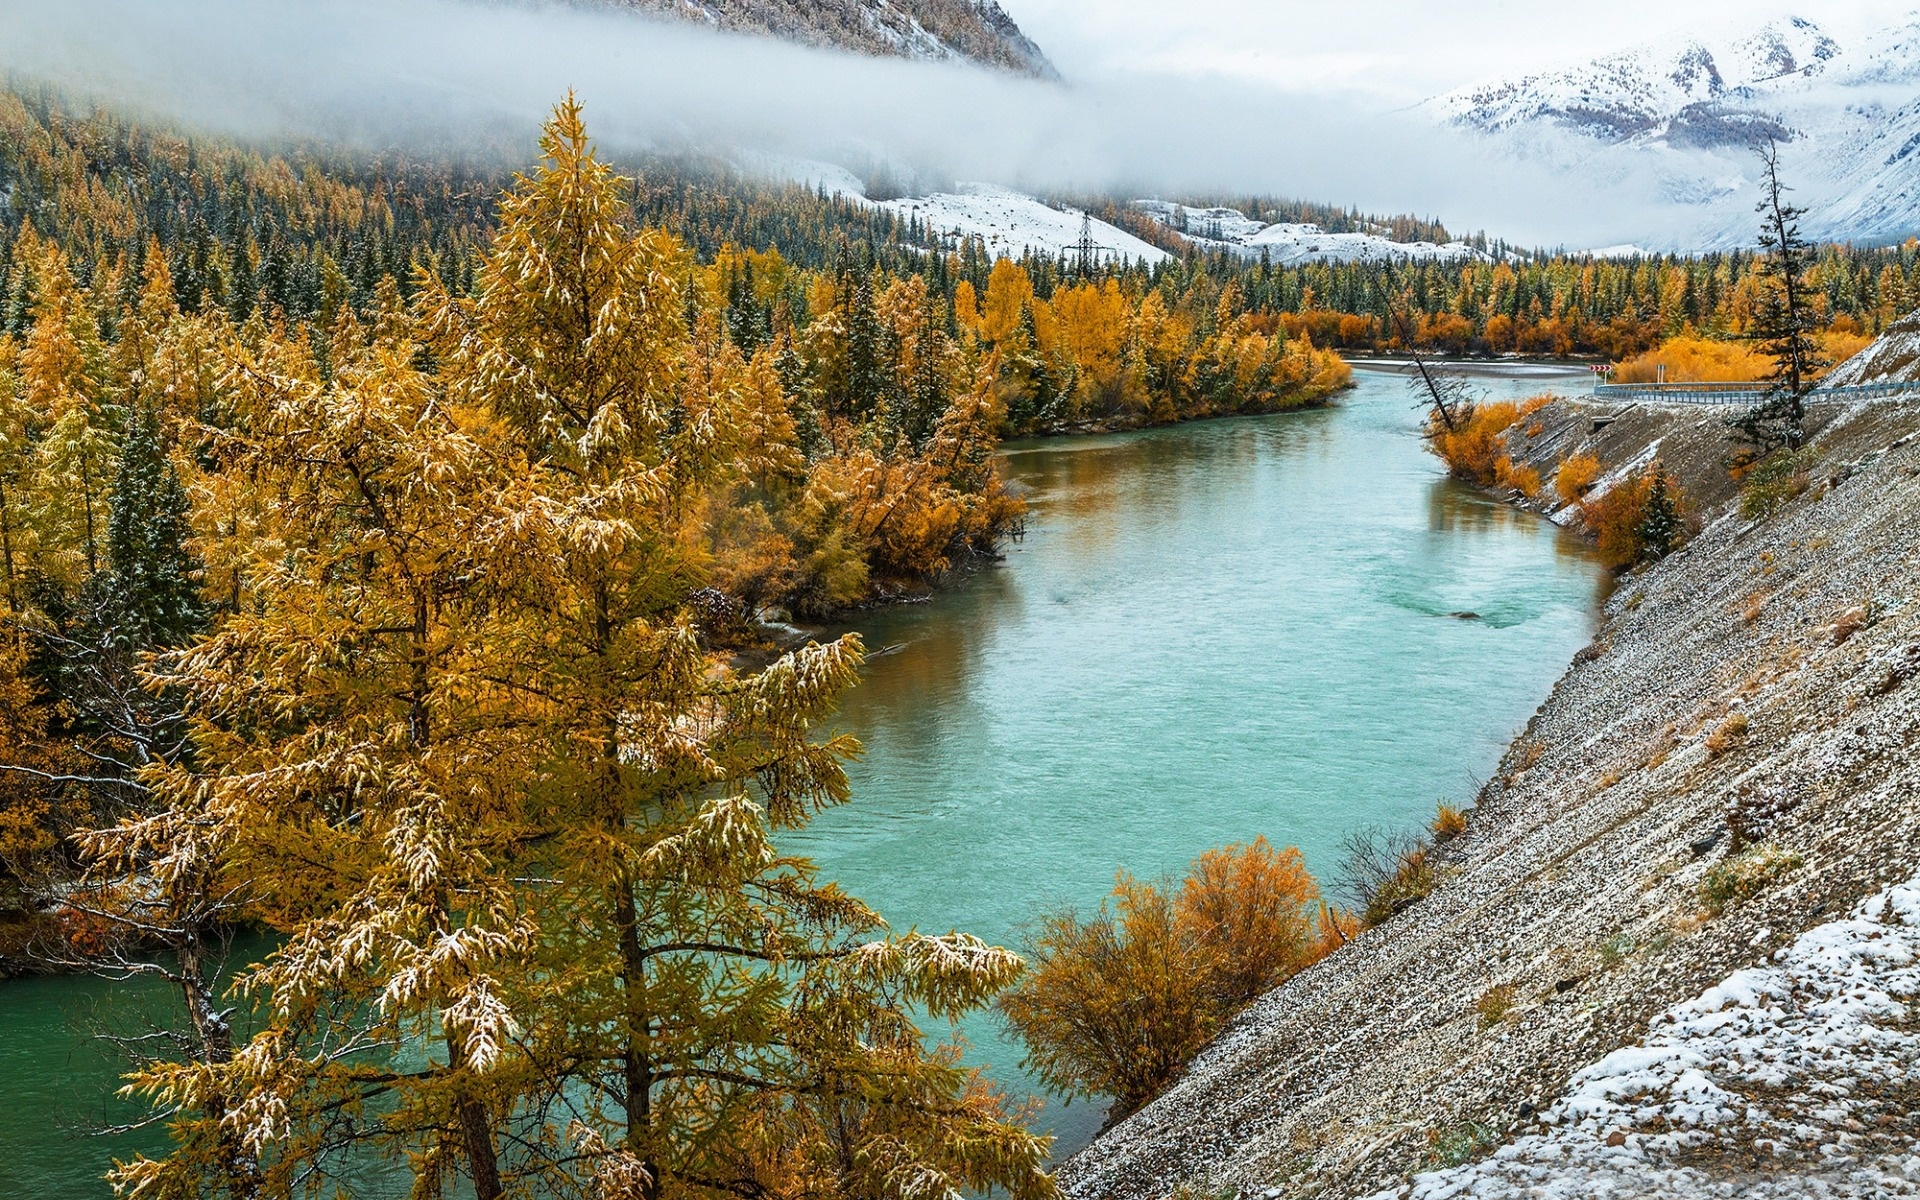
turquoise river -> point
(1210, 632)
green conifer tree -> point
(926, 393)
(866, 363)
(1659, 531)
(153, 574)
(1784, 326)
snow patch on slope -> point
(1012, 224)
(1289, 245)
(808, 173)
(1895, 358)
(1802, 1069)
(1009, 223)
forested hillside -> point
(398, 636)
(974, 30)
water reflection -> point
(1455, 509)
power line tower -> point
(1086, 251)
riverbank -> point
(1728, 767)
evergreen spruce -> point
(1784, 326)
(926, 393)
(152, 573)
(242, 285)
(1659, 530)
(866, 366)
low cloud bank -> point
(421, 74)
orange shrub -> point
(1618, 518)
(1118, 1004)
(1472, 448)
(1575, 476)
(1838, 345)
(1337, 928)
(1250, 907)
(1690, 359)
(1522, 479)
(1449, 822)
(1448, 332)
(1613, 516)
(1730, 733)
(1356, 332)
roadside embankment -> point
(1733, 764)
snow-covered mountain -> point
(1290, 245)
(934, 30)
(1675, 125)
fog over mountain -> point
(425, 71)
(421, 73)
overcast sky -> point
(1392, 51)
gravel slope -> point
(1578, 888)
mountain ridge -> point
(1680, 121)
(976, 31)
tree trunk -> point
(476, 1129)
(6, 549)
(215, 1035)
(86, 504)
(637, 1056)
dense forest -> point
(399, 639)
(869, 342)
(307, 231)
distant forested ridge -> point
(138, 266)
(305, 230)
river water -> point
(1210, 632)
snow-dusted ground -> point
(810, 173)
(1290, 245)
(1806, 1067)
(1012, 224)
(1569, 922)
(1895, 358)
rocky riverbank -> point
(1668, 958)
